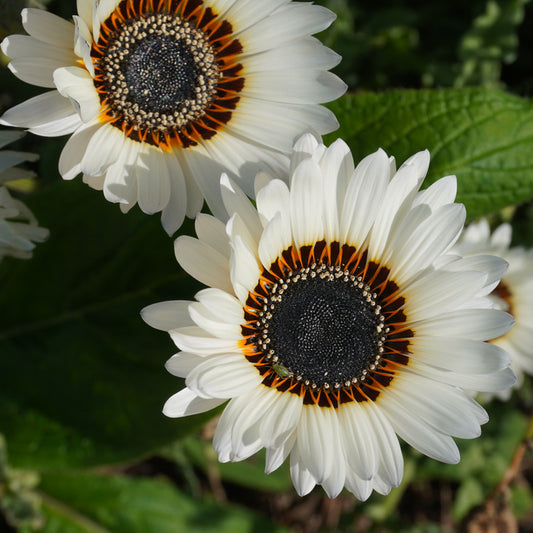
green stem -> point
(80, 520)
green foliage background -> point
(81, 376)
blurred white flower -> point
(19, 230)
(513, 294)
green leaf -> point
(249, 473)
(484, 137)
(469, 495)
(80, 502)
(82, 379)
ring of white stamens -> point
(202, 74)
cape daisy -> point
(19, 230)
(513, 294)
(335, 321)
(161, 95)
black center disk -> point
(160, 73)
(325, 331)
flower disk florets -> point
(336, 331)
(157, 72)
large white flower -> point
(513, 294)
(161, 96)
(335, 320)
(19, 230)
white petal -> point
(167, 315)
(306, 204)
(153, 180)
(196, 340)
(281, 418)
(212, 232)
(203, 262)
(364, 197)
(97, 183)
(444, 407)
(77, 84)
(495, 267)
(273, 198)
(276, 456)
(306, 146)
(34, 61)
(440, 193)
(85, 10)
(48, 113)
(244, 268)
(242, 158)
(287, 23)
(253, 120)
(303, 480)
(174, 212)
(222, 304)
(217, 325)
(83, 43)
(317, 431)
(246, 434)
(397, 201)
(195, 200)
(358, 439)
(104, 149)
(223, 376)
(440, 292)
(236, 202)
(333, 165)
(182, 364)
(486, 382)
(105, 8)
(275, 239)
(475, 324)
(360, 488)
(186, 403)
(459, 355)
(120, 184)
(390, 458)
(299, 86)
(417, 433)
(237, 227)
(427, 241)
(48, 27)
(243, 13)
(501, 237)
(236, 436)
(203, 169)
(74, 151)
(307, 53)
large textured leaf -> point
(81, 375)
(78, 502)
(484, 137)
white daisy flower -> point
(514, 293)
(19, 230)
(161, 96)
(334, 321)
